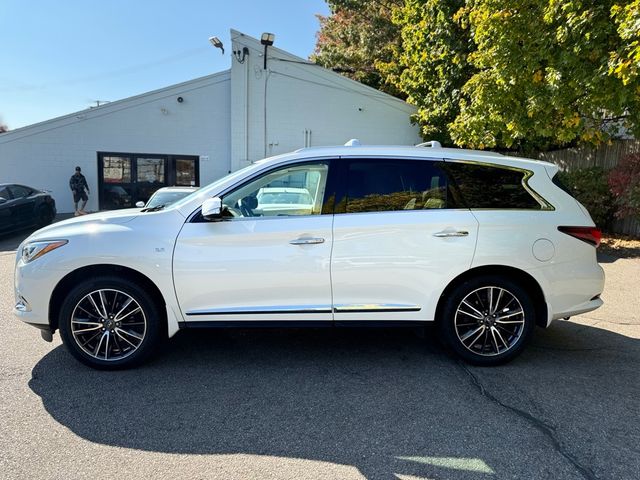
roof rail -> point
(354, 142)
(432, 144)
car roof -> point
(427, 153)
(18, 185)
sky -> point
(58, 57)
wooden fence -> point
(605, 156)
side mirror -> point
(140, 204)
(212, 208)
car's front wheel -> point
(110, 323)
(45, 216)
(488, 320)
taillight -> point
(590, 235)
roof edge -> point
(240, 37)
(108, 106)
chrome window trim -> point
(406, 212)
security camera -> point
(180, 99)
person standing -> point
(80, 189)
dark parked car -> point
(22, 207)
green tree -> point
(625, 62)
(358, 39)
(432, 65)
(542, 75)
(506, 74)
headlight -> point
(33, 250)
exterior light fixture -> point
(215, 41)
(267, 40)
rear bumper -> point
(579, 309)
(571, 289)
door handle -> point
(306, 241)
(457, 233)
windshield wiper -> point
(154, 209)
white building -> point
(197, 131)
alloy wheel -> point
(489, 321)
(108, 324)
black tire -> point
(45, 216)
(130, 351)
(496, 338)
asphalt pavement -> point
(329, 404)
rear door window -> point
(384, 185)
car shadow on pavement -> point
(385, 401)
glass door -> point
(116, 182)
(150, 176)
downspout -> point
(266, 82)
(246, 112)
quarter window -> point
(382, 185)
(482, 186)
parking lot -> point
(323, 403)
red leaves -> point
(624, 181)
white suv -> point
(486, 246)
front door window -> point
(287, 191)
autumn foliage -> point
(517, 75)
(624, 181)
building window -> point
(127, 178)
(150, 170)
(185, 172)
(116, 169)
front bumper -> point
(33, 285)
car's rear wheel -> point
(110, 323)
(488, 320)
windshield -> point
(166, 198)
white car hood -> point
(114, 217)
